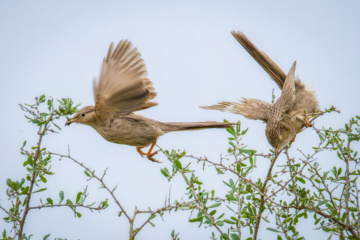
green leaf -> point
(219, 171)
(50, 201)
(49, 103)
(229, 221)
(43, 179)
(40, 190)
(231, 131)
(234, 236)
(178, 164)
(29, 161)
(9, 182)
(78, 214)
(78, 197)
(42, 98)
(61, 194)
(273, 230)
(300, 179)
(165, 172)
(87, 173)
(46, 237)
(198, 219)
(220, 223)
(230, 197)
(69, 202)
(215, 205)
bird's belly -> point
(128, 134)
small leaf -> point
(165, 172)
(41, 190)
(300, 179)
(43, 179)
(220, 223)
(78, 197)
(178, 164)
(9, 182)
(198, 219)
(50, 201)
(231, 131)
(46, 237)
(229, 221)
(215, 205)
(273, 230)
(61, 194)
(234, 236)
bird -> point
(123, 88)
(287, 116)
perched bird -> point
(122, 89)
(287, 116)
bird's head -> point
(279, 136)
(85, 116)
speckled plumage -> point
(122, 89)
(286, 117)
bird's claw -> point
(307, 123)
(142, 154)
(149, 155)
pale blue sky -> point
(56, 48)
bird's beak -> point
(68, 123)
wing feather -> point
(275, 72)
(123, 86)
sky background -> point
(56, 48)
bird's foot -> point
(138, 149)
(149, 154)
(293, 139)
(307, 123)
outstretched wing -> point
(287, 98)
(262, 59)
(248, 107)
(123, 86)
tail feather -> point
(188, 126)
(275, 72)
(248, 107)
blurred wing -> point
(287, 98)
(248, 107)
(262, 59)
(123, 86)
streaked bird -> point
(122, 89)
(288, 115)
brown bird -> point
(287, 116)
(122, 89)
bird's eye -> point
(83, 115)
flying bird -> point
(288, 115)
(122, 89)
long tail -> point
(276, 73)
(248, 107)
(188, 126)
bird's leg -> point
(307, 123)
(149, 154)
